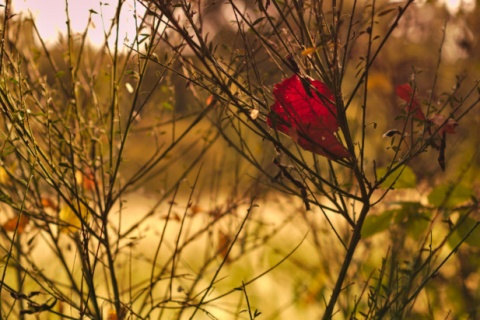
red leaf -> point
(304, 110)
(405, 92)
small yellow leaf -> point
(4, 178)
(254, 114)
(68, 217)
(308, 51)
(129, 87)
(86, 180)
(380, 82)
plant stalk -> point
(347, 261)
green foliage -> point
(402, 178)
(378, 223)
(466, 229)
(449, 195)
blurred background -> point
(436, 43)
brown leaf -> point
(223, 245)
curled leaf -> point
(391, 133)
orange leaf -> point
(308, 51)
(48, 203)
(88, 182)
(211, 100)
(16, 224)
(112, 315)
(195, 208)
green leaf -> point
(413, 217)
(403, 178)
(465, 227)
(408, 209)
(449, 195)
(166, 105)
(377, 223)
(417, 225)
(257, 21)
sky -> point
(50, 16)
(454, 5)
